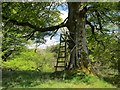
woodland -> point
(90, 53)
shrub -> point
(29, 60)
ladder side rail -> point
(65, 50)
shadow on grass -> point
(26, 78)
(115, 80)
(29, 78)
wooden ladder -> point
(62, 55)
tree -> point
(96, 15)
(16, 35)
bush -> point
(23, 61)
(29, 60)
(53, 48)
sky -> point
(55, 39)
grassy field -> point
(35, 70)
(35, 79)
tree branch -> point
(52, 28)
(99, 21)
(30, 35)
(99, 41)
(107, 17)
(92, 27)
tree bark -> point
(76, 27)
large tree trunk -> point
(76, 27)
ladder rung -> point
(62, 51)
(61, 61)
(60, 66)
(62, 41)
(61, 57)
(62, 37)
(68, 40)
(62, 46)
(63, 34)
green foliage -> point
(12, 42)
(29, 60)
(24, 61)
(103, 52)
(35, 13)
(53, 48)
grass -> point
(35, 79)
(35, 70)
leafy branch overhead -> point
(52, 28)
(98, 14)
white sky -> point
(54, 40)
(64, 14)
